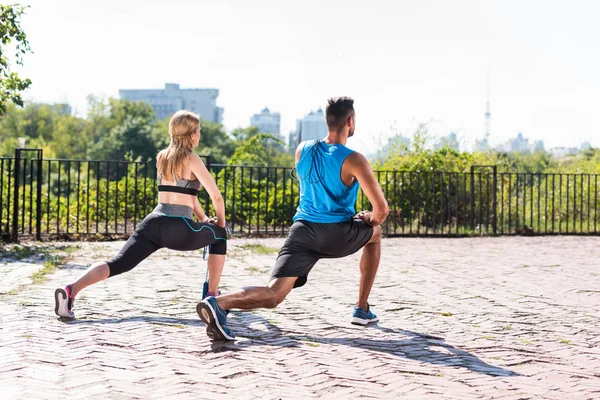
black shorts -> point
(308, 242)
(173, 232)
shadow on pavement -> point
(152, 319)
(411, 345)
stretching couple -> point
(325, 225)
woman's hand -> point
(214, 220)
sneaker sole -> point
(209, 316)
(363, 322)
(57, 304)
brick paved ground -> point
(490, 318)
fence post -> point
(38, 218)
(495, 201)
(472, 207)
(207, 197)
(17, 173)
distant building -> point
(449, 142)
(586, 146)
(519, 144)
(312, 126)
(560, 152)
(482, 145)
(538, 145)
(165, 102)
(397, 144)
(267, 122)
(63, 108)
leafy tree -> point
(258, 151)
(39, 123)
(215, 142)
(128, 131)
(11, 85)
(242, 134)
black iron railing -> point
(65, 199)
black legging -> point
(176, 233)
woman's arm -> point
(198, 212)
(206, 179)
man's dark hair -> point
(338, 110)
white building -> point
(586, 146)
(519, 144)
(267, 122)
(165, 102)
(538, 145)
(561, 152)
(450, 142)
(312, 126)
(482, 145)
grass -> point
(526, 342)
(507, 328)
(446, 314)
(178, 326)
(50, 266)
(488, 337)
(257, 248)
(565, 341)
(52, 257)
(311, 343)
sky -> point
(404, 62)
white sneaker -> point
(64, 302)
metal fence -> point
(81, 199)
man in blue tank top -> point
(325, 225)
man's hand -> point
(366, 216)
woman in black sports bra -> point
(181, 173)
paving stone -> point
(477, 318)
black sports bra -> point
(185, 186)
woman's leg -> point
(216, 261)
(215, 269)
(134, 251)
(95, 273)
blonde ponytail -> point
(173, 159)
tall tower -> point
(483, 143)
(487, 108)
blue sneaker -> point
(215, 319)
(362, 317)
(206, 293)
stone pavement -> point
(482, 318)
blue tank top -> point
(324, 198)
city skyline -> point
(401, 62)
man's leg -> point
(258, 296)
(212, 309)
(369, 262)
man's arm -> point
(361, 169)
